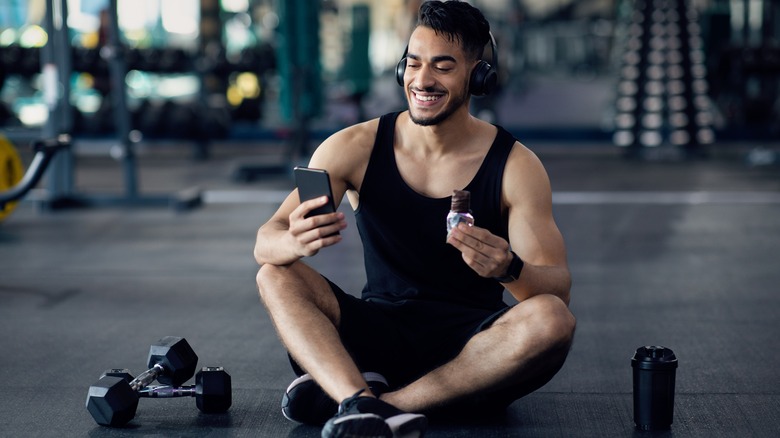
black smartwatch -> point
(513, 271)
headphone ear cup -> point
(400, 69)
(491, 81)
(483, 79)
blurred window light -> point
(235, 5)
(242, 86)
(138, 14)
(88, 102)
(238, 32)
(8, 37)
(755, 20)
(33, 36)
(181, 16)
(88, 7)
(33, 114)
(270, 20)
(248, 85)
(83, 15)
(178, 86)
(234, 95)
(144, 85)
(139, 84)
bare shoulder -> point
(525, 179)
(345, 154)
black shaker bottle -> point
(654, 371)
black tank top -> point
(404, 232)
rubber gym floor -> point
(679, 254)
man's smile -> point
(425, 98)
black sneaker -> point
(305, 402)
(369, 417)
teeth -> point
(426, 98)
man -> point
(431, 330)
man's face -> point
(436, 77)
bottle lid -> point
(654, 357)
(461, 201)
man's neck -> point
(447, 136)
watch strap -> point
(512, 271)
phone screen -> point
(313, 183)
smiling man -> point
(430, 102)
(431, 331)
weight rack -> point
(662, 107)
(56, 67)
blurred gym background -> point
(658, 122)
(211, 70)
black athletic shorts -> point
(405, 340)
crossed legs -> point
(516, 355)
(306, 316)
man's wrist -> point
(513, 270)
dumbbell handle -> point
(164, 391)
(144, 379)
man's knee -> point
(296, 285)
(557, 322)
(281, 282)
(548, 326)
(268, 279)
(560, 323)
(549, 320)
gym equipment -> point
(14, 185)
(212, 390)
(56, 60)
(112, 400)
(124, 373)
(484, 77)
(300, 94)
(10, 173)
(744, 60)
(171, 361)
(662, 92)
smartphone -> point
(313, 183)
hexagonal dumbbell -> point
(212, 390)
(113, 400)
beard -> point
(455, 104)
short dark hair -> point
(459, 21)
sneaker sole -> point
(321, 408)
(407, 425)
(357, 426)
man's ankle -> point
(361, 393)
(388, 397)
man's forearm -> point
(270, 247)
(538, 280)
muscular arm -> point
(288, 236)
(533, 234)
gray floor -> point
(679, 254)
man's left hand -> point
(487, 254)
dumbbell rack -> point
(56, 66)
(662, 108)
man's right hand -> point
(311, 234)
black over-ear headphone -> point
(484, 77)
